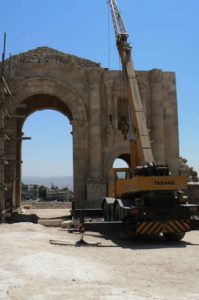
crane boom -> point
(141, 151)
(117, 20)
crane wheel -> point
(174, 237)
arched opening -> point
(47, 169)
(120, 162)
(42, 162)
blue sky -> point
(164, 35)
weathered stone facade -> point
(94, 100)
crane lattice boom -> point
(141, 152)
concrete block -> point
(66, 224)
(50, 222)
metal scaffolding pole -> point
(2, 100)
(5, 92)
(2, 186)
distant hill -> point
(62, 181)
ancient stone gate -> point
(94, 100)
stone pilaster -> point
(171, 142)
(157, 116)
(96, 187)
(80, 137)
(95, 141)
(109, 100)
(17, 191)
(12, 171)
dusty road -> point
(32, 268)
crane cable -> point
(109, 40)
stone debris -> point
(66, 224)
(44, 55)
(50, 222)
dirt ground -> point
(49, 213)
(32, 268)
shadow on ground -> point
(18, 218)
(137, 242)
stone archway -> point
(48, 94)
(47, 154)
(54, 88)
(126, 158)
(117, 153)
(88, 94)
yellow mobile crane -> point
(146, 198)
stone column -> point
(109, 94)
(171, 124)
(14, 189)
(96, 187)
(157, 116)
(115, 109)
(18, 174)
(80, 154)
(10, 168)
(108, 138)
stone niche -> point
(94, 100)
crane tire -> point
(107, 213)
(174, 237)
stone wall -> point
(94, 100)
